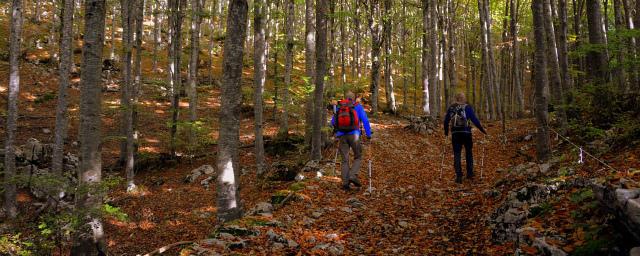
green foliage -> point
(193, 136)
(45, 97)
(115, 212)
(14, 245)
(581, 196)
(592, 247)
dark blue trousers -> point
(458, 140)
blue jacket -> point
(468, 110)
(364, 121)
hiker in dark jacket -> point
(349, 138)
(459, 117)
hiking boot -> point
(459, 179)
(356, 182)
(346, 187)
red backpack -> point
(346, 116)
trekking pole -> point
(335, 159)
(370, 166)
(444, 143)
(484, 146)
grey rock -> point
(275, 237)
(528, 137)
(491, 193)
(215, 242)
(226, 236)
(336, 249)
(514, 216)
(622, 195)
(316, 214)
(544, 168)
(292, 243)
(263, 207)
(346, 209)
(354, 202)
(331, 236)
(633, 210)
(307, 221)
(403, 224)
(206, 182)
(46, 131)
(277, 246)
(237, 245)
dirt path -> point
(411, 210)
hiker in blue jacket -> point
(459, 116)
(349, 116)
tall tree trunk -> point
(128, 24)
(563, 49)
(309, 63)
(10, 207)
(597, 56)
(90, 237)
(376, 43)
(343, 41)
(156, 33)
(288, 66)
(388, 70)
(633, 46)
(228, 193)
(196, 20)
(357, 44)
(618, 71)
(66, 62)
(554, 67)
(451, 30)
(433, 59)
(540, 80)
(487, 72)
(112, 49)
(426, 85)
(260, 67)
(321, 68)
(176, 8)
(515, 77)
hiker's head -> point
(350, 95)
(460, 98)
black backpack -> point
(459, 119)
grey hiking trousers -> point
(350, 141)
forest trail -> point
(410, 211)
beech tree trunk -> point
(540, 81)
(557, 96)
(388, 70)
(89, 239)
(65, 65)
(632, 50)
(228, 193)
(309, 63)
(321, 69)
(375, 28)
(515, 45)
(260, 67)
(196, 20)
(176, 15)
(288, 66)
(596, 57)
(10, 207)
(128, 25)
(426, 88)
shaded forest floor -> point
(412, 210)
